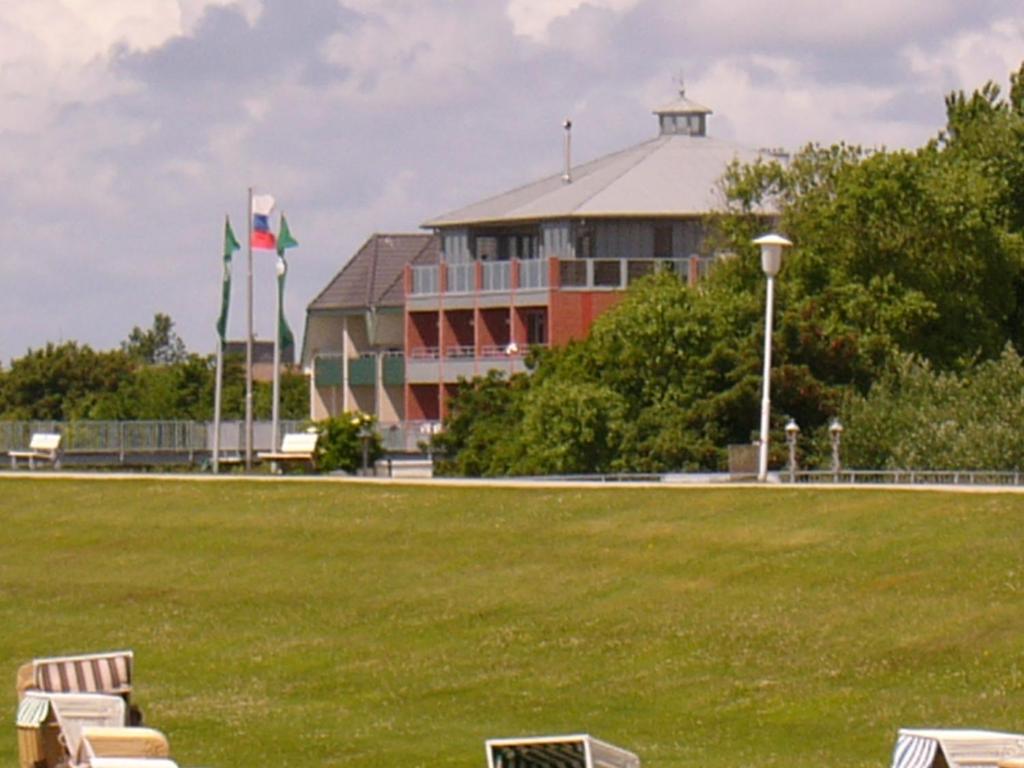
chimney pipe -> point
(567, 175)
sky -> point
(130, 128)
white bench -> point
(44, 446)
(298, 447)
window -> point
(663, 241)
(584, 242)
(487, 249)
(536, 327)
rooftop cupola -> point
(682, 117)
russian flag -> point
(262, 237)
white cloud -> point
(792, 109)
(531, 18)
(412, 54)
(969, 59)
(771, 24)
(56, 52)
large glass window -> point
(536, 326)
(663, 241)
(584, 242)
(486, 248)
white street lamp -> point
(792, 434)
(771, 260)
(835, 431)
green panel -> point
(394, 370)
(362, 371)
(327, 372)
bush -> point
(340, 446)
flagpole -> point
(248, 345)
(217, 388)
(219, 380)
(275, 407)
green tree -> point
(158, 345)
(340, 446)
(917, 417)
(61, 382)
(479, 438)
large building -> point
(531, 267)
(535, 266)
(354, 342)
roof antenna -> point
(681, 82)
(567, 175)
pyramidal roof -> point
(372, 278)
(675, 174)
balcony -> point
(393, 369)
(327, 370)
(533, 274)
(496, 275)
(619, 274)
(362, 371)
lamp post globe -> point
(792, 434)
(772, 246)
(835, 431)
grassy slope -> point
(333, 624)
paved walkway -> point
(451, 482)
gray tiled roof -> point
(373, 276)
(671, 175)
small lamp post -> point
(792, 433)
(365, 433)
(835, 431)
(771, 261)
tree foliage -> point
(157, 345)
(151, 376)
(917, 416)
(342, 441)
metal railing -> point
(582, 274)
(425, 280)
(126, 441)
(619, 274)
(533, 274)
(461, 278)
(424, 353)
(496, 275)
(906, 477)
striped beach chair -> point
(93, 673)
(58, 696)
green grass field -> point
(288, 624)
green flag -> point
(284, 242)
(284, 238)
(230, 246)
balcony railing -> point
(425, 353)
(494, 351)
(461, 278)
(496, 275)
(533, 273)
(619, 274)
(425, 280)
(362, 370)
(573, 274)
